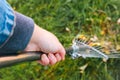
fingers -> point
(44, 60)
(62, 53)
(50, 59)
(58, 57)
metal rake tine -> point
(113, 51)
(86, 41)
(114, 55)
(81, 40)
(89, 41)
(98, 47)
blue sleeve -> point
(15, 30)
(7, 23)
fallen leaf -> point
(67, 29)
(104, 60)
(118, 47)
(94, 38)
(82, 68)
(118, 21)
(83, 37)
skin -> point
(48, 43)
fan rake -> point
(82, 47)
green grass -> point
(91, 17)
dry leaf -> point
(95, 38)
(82, 68)
(118, 47)
(118, 21)
(82, 37)
(102, 32)
(94, 44)
(67, 29)
(104, 60)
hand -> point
(46, 42)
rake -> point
(81, 47)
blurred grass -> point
(67, 18)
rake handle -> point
(26, 56)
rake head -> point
(90, 47)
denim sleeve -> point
(15, 30)
(6, 22)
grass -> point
(67, 18)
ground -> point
(66, 19)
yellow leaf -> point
(118, 47)
(94, 44)
(82, 68)
(102, 32)
(82, 37)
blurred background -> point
(66, 19)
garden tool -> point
(81, 47)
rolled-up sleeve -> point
(15, 30)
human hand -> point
(46, 42)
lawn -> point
(66, 19)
